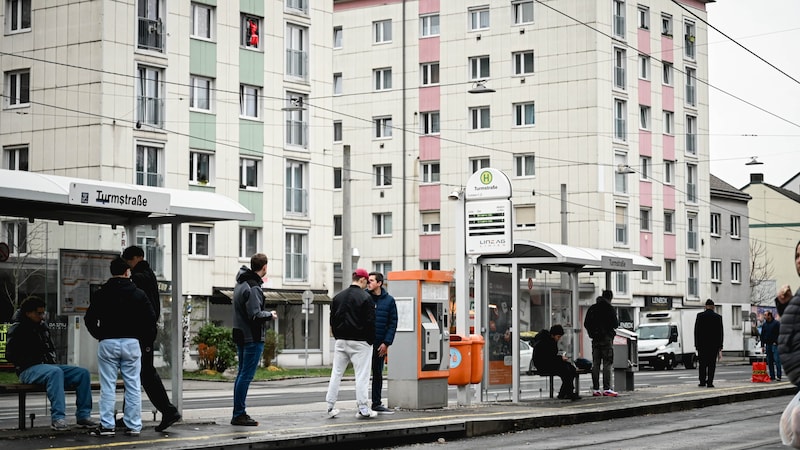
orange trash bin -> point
(477, 358)
(460, 360)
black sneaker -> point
(103, 432)
(244, 421)
(380, 409)
(168, 421)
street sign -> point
(488, 225)
(4, 252)
(308, 297)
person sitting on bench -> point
(31, 350)
(548, 361)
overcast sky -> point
(771, 30)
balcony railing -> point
(296, 201)
(297, 132)
(297, 63)
(691, 96)
(619, 77)
(151, 34)
(619, 26)
(150, 111)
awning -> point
(272, 296)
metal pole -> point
(462, 285)
(306, 337)
(347, 238)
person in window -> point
(548, 361)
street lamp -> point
(295, 104)
(480, 88)
(753, 161)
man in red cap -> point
(353, 325)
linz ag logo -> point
(486, 177)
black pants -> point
(151, 382)
(377, 377)
(566, 372)
(707, 365)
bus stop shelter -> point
(540, 256)
(40, 196)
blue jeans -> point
(249, 357)
(123, 355)
(57, 377)
(773, 360)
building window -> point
(297, 51)
(619, 19)
(251, 30)
(16, 236)
(735, 227)
(480, 119)
(479, 18)
(382, 174)
(669, 122)
(525, 216)
(477, 164)
(667, 73)
(669, 222)
(644, 167)
(429, 122)
(151, 24)
(298, 5)
(692, 278)
(296, 188)
(524, 114)
(337, 225)
(337, 131)
(200, 93)
(691, 232)
(296, 255)
(249, 241)
(523, 11)
(202, 21)
(620, 176)
(691, 135)
(15, 158)
(620, 62)
(383, 31)
(249, 97)
(429, 73)
(338, 34)
(644, 117)
(691, 183)
(645, 276)
(621, 282)
(643, 13)
(736, 272)
(691, 86)
(716, 218)
(716, 271)
(644, 67)
(431, 223)
(18, 88)
(666, 25)
(669, 270)
(18, 15)
(296, 120)
(736, 317)
(479, 68)
(524, 165)
(383, 127)
(669, 172)
(199, 241)
(644, 219)
(689, 39)
(621, 225)
(337, 177)
(382, 224)
(430, 172)
(150, 95)
(523, 62)
(383, 267)
(337, 84)
(249, 173)
(382, 79)
(620, 122)
(429, 25)
(433, 264)
(149, 165)
(200, 164)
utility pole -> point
(347, 239)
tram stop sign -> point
(488, 214)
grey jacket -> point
(249, 315)
(789, 337)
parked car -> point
(525, 357)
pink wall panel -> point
(669, 197)
(668, 147)
(646, 244)
(430, 197)
(666, 46)
(669, 246)
(645, 143)
(643, 39)
(429, 148)
(429, 49)
(668, 98)
(428, 6)
(430, 246)
(342, 6)
(646, 193)
(644, 92)
(429, 99)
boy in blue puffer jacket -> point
(385, 327)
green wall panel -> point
(253, 201)
(202, 131)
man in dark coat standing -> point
(385, 328)
(145, 279)
(548, 361)
(708, 337)
(601, 322)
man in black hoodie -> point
(548, 361)
(120, 316)
(144, 278)
(601, 322)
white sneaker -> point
(333, 412)
(610, 393)
(365, 413)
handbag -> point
(790, 423)
(760, 372)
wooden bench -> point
(22, 390)
(578, 374)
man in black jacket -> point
(601, 322)
(120, 316)
(31, 350)
(144, 278)
(548, 361)
(708, 335)
(353, 325)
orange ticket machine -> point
(419, 358)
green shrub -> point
(219, 351)
(273, 344)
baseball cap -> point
(361, 273)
